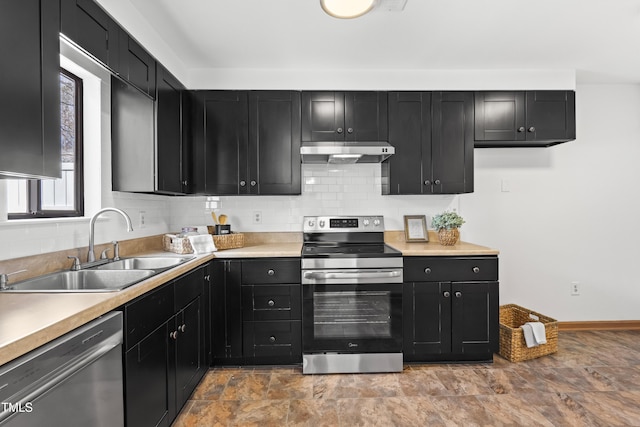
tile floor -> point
(593, 380)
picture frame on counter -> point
(415, 228)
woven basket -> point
(448, 237)
(229, 241)
(512, 344)
(178, 245)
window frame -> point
(34, 186)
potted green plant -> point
(447, 224)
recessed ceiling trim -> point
(347, 9)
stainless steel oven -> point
(351, 297)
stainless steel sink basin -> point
(82, 281)
(145, 263)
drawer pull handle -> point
(271, 272)
(271, 303)
(447, 294)
(458, 294)
(476, 269)
(272, 339)
(427, 270)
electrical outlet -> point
(257, 217)
(575, 289)
(141, 219)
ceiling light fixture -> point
(347, 9)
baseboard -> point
(600, 325)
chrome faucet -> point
(91, 256)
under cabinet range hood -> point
(345, 152)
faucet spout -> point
(91, 256)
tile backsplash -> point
(326, 190)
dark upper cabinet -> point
(432, 133)
(274, 142)
(137, 65)
(524, 119)
(171, 134)
(30, 87)
(246, 142)
(92, 29)
(340, 116)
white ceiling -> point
(596, 38)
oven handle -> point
(352, 274)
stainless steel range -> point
(351, 297)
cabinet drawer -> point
(188, 288)
(268, 339)
(147, 313)
(271, 302)
(450, 269)
(271, 271)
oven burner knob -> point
(322, 223)
(365, 222)
(312, 223)
(376, 222)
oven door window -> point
(353, 318)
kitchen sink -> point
(82, 281)
(145, 263)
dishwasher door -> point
(75, 380)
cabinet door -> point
(30, 87)
(551, 116)
(137, 65)
(322, 116)
(171, 150)
(226, 315)
(475, 318)
(408, 170)
(221, 142)
(84, 22)
(500, 116)
(149, 399)
(452, 142)
(190, 350)
(365, 116)
(274, 143)
(426, 319)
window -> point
(63, 197)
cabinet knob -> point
(427, 182)
(253, 183)
(207, 277)
(339, 130)
(350, 130)
(521, 129)
(476, 269)
(436, 182)
(243, 183)
(532, 129)
(174, 335)
(458, 294)
(272, 339)
(184, 183)
(271, 272)
(427, 270)
(447, 294)
(271, 303)
(182, 328)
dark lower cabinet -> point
(450, 320)
(30, 88)
(256, 311)
(165, 349)
(432, 133)
(538, 118)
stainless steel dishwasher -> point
(75, 380)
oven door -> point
(352, 318)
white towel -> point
(527, 331)
(539, 333)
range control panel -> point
(343, 224)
